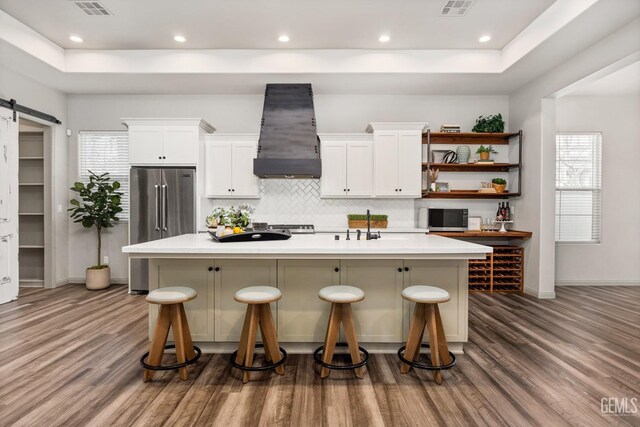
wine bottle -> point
(508, 212)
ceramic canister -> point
(463, 152)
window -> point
(578, 187)
(102, 152)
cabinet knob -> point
(228, 189)
(159, 157)
(336, 269)
(400, 189)
(345, 190)
(396, 189)
(406, 269)
(233, 189)
(348, 189)
(399, 269)
(210, 268)
(164, 157)
(217, 268)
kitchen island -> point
(300, 267)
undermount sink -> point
(353, 236)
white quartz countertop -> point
(321, 246)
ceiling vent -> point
(456, 7)
(92, 8)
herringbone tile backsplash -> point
(297, 201)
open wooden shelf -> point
(471, 167)
(510, 234)
(465, 194)
(470, 138)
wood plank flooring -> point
(69, 357)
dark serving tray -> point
(252, 236)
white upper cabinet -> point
(165, 142)
(397, 159)
(347, 166)
(229, 166)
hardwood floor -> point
(70, 357)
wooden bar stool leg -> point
(414, 340)
(251, 341)
(433, 342)
(271, 346)
(186, 333)
(178, 339)
(443, 348)
(159, 340)
(332, 336)
(242, 345)
(352, 339)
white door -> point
(385, 147)
(145, 145)
(218, 169)
(243, 182)
(360, 169)
(410, 163)
(333, 181)
(180, 145)
(8, 207)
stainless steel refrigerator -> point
(163, 204)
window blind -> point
(107, 151)
(578, 187)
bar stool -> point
(426, 314)
(172, 316)
(258, 313)
(341, 298)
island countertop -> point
(316, 246)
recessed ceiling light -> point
(283, 38)
(76, 39)
(384, 38)
(180, 39)
(484, 39)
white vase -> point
(463, 152)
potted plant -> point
(240, 217)
(499, 184)
(485, 152)
(98, 207)
(489, 124)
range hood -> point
(289, 146)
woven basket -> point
(362, 223)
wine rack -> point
(501, 271)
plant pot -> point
(499, 187)
(484, 155)
(98, 278)
(362, 223)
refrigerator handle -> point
(164, 207)
(157, 192)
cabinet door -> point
(410, 163)
(333, 181)
(243, 182)
(180, 145)
(360, 169)
(378, 317)
(193, 274)
(302, 316)
(145, 145)
(231, 276)
(218, 169)
(451, 276)
(385, 147)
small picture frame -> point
(474, 223)
(442, 187)
(437, 156)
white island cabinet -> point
(166, 142)
(300, 267)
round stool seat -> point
(425, 294)
(171, 295)
(258, 295)
(342, 294)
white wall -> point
(241, 114)
(617, 117)
(532, 109)
(37, 96)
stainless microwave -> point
(448, 219)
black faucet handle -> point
(358, 232)
(348, 238)
(379, 236)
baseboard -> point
(597, 283)
(540, 295)
(113, 281)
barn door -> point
(8, 206)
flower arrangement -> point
(231, 217)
